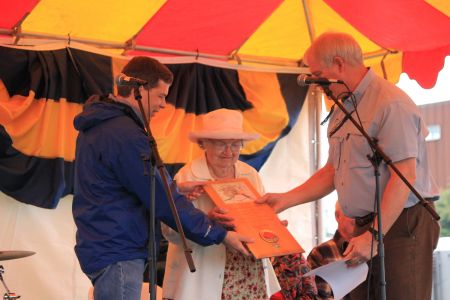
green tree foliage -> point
(443, 209)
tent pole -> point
(126, 46)
(309, 25)
(315, 107)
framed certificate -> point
(258, 221)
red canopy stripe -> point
(390, 23)
(173, 25)
(424, 66)
(13, 11)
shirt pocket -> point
(335, 151)
(357, 150)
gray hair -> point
(331, 44)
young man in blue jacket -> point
(111, 199)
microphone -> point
(306, 79)
(123, 79)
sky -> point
(440, 92)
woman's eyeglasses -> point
(222, 146)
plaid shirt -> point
(323, 254)
(289, 270)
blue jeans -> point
(119, 281)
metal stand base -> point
(8, 295)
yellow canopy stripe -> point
(100, 18)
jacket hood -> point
(98, 110)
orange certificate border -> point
(258, 221)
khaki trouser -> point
(409, 246)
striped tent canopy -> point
(411, 36)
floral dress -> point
(243, 278)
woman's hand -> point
(284, 222)
(191, 189)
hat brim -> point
(222, 135)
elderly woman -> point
(221, 273)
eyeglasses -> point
(222, 146)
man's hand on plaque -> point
(274, 200)
(236, 241)
(221, 215)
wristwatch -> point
(375, 234)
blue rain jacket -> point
(112, 193)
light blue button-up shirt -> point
(390, 116)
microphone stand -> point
(376, 159)
(156, 161)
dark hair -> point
(145, 68)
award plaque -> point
(258, 221)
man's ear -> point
(339, 61)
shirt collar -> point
(200, 168)
(201, 171)
(363, 85)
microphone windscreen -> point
(302, 79)
(123, 79)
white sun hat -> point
(223, 124)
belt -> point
(432, 199)
(364, 220)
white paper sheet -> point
(340, 277)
